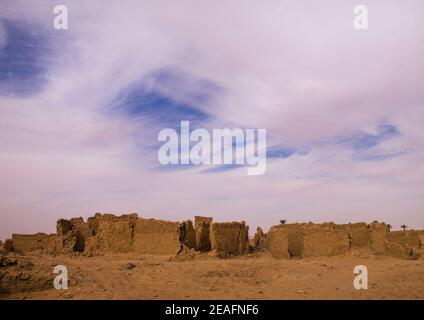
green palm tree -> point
(282, 221)
(404, 227)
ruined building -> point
(107, 233)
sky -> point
(80, 110)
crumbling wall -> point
(258, 242)
(202, 230)
(199, 219)
(324, 240)
(229, 238)
(112, 236)
(101, 233)
(8, 245)
(49, 243)
(111, 233)
(187, 234)
(94, 222)
(277, 242)
(73, 234)
(294, 237)
(359, 234)
(421, 235)
(404, 244)
(421, 250)
(400, 250)
(296, 242)
(157, 237)
(378, 237)
(408, 238)
(307, 240)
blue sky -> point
(21, 67)
(80, 111)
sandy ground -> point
(256, 276)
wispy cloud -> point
(80, 110)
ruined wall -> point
(378, 237)
(307, 240)
(324, 240)
(73, 234)
(112, 236)
(49, 243)
(399, 250)
(408, 238)
(329, 239)
(294, 237)
(157, 237)
(8, 245)
(421, 250)
(404, 244)
(359, 234)
(111, 233)
(229, 238)
(187, 234)
(421, 235)
(199, 219)
(258, 242)
(202, 230)
(296, 241)
(277, 242)
(94, 222)
(105, 233)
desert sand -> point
(200, 276)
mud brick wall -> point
(359, 234)
(50, 243)
(111, 236)
(421, 235)
(399, 250)
(294, 237)
(404, 244)
(258, 242)
(408, 238)
(105, 233)
(157, 237)
(378, 237)
(229, 238)
(93, 222)
(111, 233)
(73, 234)
(421, 250)
(307, 240)
(8, 245)
(202, 230)
(277, 242)
(329, 239)
(325, 240)
(187, 234)
(296, 242)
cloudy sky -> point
(80, 110)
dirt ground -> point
(255, 276)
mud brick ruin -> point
(107, 233)
(329, 239)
